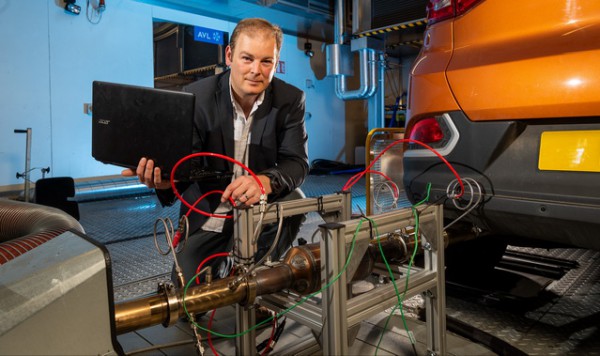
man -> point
(247, 114)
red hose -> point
(355, 178)
(208, 154)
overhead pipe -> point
(368, 78)
(367, 61)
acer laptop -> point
(131, 122)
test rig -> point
(49, 291)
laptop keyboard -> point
(209, 175)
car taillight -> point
(463, 5)
(438, 10)
(427, 130)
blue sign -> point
(209, 35)
(280, 67)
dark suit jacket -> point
(278, 143)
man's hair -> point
(251, 27)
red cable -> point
(211, 154)
(215, 255)
(208, 338)
(177, 236)
(359, 175)
(210, 320)
(394, 186)
(212, 315)
(268, 347)
(213, 215)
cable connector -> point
(263, 203)
(182, 230)
(180, 277)
(176, 238)
(411, 337)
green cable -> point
(282, 312)
(410, 263)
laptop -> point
(131, 122)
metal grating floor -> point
(564, 319)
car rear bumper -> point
(520, 198)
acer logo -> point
(104, 122)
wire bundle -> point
(456, 190)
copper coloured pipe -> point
(141, 313)
(300, 271)
(153, 310)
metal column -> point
(335, 318)
(376, 103)
(435, 298)
(27, 172)
(245, 317)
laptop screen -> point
(131, 122)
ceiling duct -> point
(321, 9)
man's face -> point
(252, 65)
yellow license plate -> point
(577, 151)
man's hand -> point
(148, 174)
(246, 190)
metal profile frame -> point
(331, 207)
(244, 317)
(337, 314)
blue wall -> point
(48, 60)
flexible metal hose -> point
(24, 226)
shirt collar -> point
(238, 108)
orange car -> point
(508, 91)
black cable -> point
(324, 166)
(279, 330)
(363, 216)
(265, 344)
